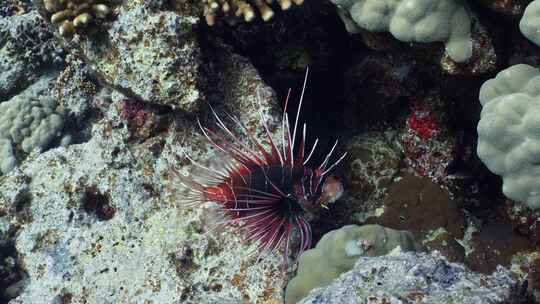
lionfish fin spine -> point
(301, 148)
(274, 149)
(322, 167)
(311, 152)
(299, 109)
(269, 158)
(334, 164)
(241, 147)
(195, 191)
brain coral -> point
(509, 131)
(413, 21)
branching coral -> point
(241, 8)
(75, 15)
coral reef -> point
(410, 20)
(508, 131)
(100, 106)
(337, 252)
(150, 54)
(18, 69)
(113, 215)
(530, 22)
(75, 88)
(424, 141)
(73, 16)
(507, 7)
(418, 278)
(244, 9)
(30, 120)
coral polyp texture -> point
(445, 21)
(73, 16)
(245, 9)
(338, 250)
(509, 131)
(28, 121)
(530, 22)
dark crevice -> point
(97, 204)
(12, 275)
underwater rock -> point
(495, 243)
(105, 223)
(527, 267)
(418, 278)
(506, 7)
(378, 85)
(18, 69)
(445, 243)
(372, 160)
(338, 250)
(75, 88)
(237, 85)
(149, 54)
(428, 146)
(419, 205)
(446, 21)
(524, 220)
(468, 47)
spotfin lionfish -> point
(271, 194)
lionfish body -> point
(271, 194)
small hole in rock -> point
(98, 204)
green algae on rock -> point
(149, 54)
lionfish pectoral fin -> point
(190, 192)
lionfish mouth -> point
(268, 193)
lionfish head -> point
(314, 190)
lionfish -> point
(271, 194)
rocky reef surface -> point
(415, 278)
(100, 105)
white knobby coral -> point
(530, 22)
(30, 120)
(445, 21)
(509, 131)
